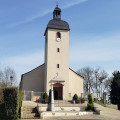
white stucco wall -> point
(33, 80)
(75, 84)
(52, 58)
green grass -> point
(103, 104)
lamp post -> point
(11, 79)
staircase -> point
(29, 112)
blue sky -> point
(94, 34)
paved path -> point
(109, 112)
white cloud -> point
(24, 63)
(96, 49)
(31, 18)
(45, 12)
(70, 4)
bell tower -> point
(57, 13)
(57, 54)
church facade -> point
(55, 71)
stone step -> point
(30, 116)
(28, 112)
(28, 109)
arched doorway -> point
(58, 91)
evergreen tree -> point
(115, 88)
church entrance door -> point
(58, 91)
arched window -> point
(58, 35)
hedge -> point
(12, 99)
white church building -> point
(55, 71)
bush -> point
(90, 106)
(2, 110)
(90, 102)
(44, 98)
(82, 100)
(75, 98)
(12, 100)
(20, 102)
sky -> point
(94, 33)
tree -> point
(115, 88)
(106, 86)
(87, 73)
(9, 77)
(102, 77)
(1, 77)
(95, 80)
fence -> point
(32, 96)
(38, 97)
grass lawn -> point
(103, 104)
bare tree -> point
(9, 77)
(1, 77)
(87, 73)
(96, 79)
(106, 85)
(102, 79)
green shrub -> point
(44, 98)
(20, 102)
(82, 100)
(12, 100)
(90, 102)
(75, 98)
(2, 110)
(90, 106)
(90, 99)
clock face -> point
(58, 36)
(58, 39)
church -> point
(55, 71)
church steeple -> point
(57, 13)
(56, 22)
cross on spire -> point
(57, 3)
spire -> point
(57, 13)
